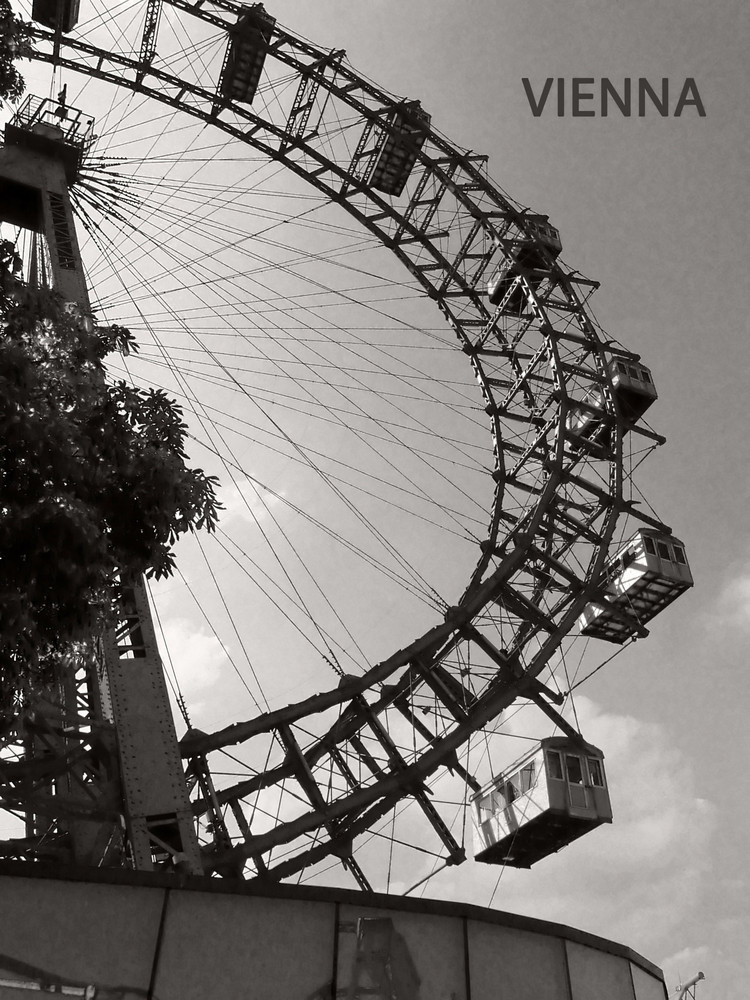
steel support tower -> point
(125, 802)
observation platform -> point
(52, 129)
(105, 934)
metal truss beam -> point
(148, 39)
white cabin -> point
(648, 573)
(634, 391)
(550, 797)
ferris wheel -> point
(426, 441)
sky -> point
(656, 209)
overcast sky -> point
(656, 209)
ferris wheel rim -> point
(479, 180)
(519, 544)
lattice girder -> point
(554, 508)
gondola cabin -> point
(249, 40)
(645, 575)
(52, 13)
(546, 800)
(532, 254)
(398, 148)
(634, 387)
(634, 390)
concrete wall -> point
(123, 937)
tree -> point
(93, 479)
(15, 43)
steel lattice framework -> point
(556, 503)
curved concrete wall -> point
(122, 936)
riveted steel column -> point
(34, 194)
(158, 814)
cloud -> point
(248, 501)
(657, 806)
(732, 606)
(631, 881)
(198, 659)
(679, 968)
